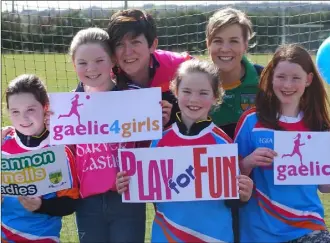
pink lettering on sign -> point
(314, 169)
(158, 175)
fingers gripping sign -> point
(166, 110)
(5, 131)
(30, 203)
(261, 157)
(122, 182)
(245, 185)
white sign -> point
(303, 158)
(35, 173)
(206, 172)
(105, 117)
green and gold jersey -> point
(239, 96)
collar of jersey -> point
(288, 119)
(195, 129)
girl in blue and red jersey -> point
(292, 97)
(197, 88)
(27, 218)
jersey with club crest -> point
(21, 225)
(193, 221)
(275, 213)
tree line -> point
(178, 28)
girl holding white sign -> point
(26, 218)
(292, 98)
(197, 87)
(101, 216)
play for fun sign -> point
(181, 173)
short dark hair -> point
(131, 21)
(28, 83)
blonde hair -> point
(226, 17)
(90, 36)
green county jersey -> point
(239, 98)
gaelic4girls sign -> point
(35, 173)
(106, 117)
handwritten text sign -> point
(105, 117)
(303, 158)
(35, 173)
(180, 173)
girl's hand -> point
(245, 185)
(122, 182)
(259, 157)
(30, 203)
(167, 109)
(4, 132)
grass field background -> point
(57, 72)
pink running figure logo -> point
(296, 148)
(74, 108)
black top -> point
(195, 129)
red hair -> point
(314, 103)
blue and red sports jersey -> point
(21, 225)
(193, 221)
(275, 213)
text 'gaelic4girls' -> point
(98, 118)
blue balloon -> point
(323, 60)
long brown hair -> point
(314, 103)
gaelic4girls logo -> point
(98, 118)
(247, 101)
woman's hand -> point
(167, 109)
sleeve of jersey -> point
(243, 136)
(160, 142)
(220, 136)
(154, 143)
(73, 192)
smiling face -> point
(227, 48)
(133, 54)
(93, 65)
(26, 114)
(195, 97)
(289, 83)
